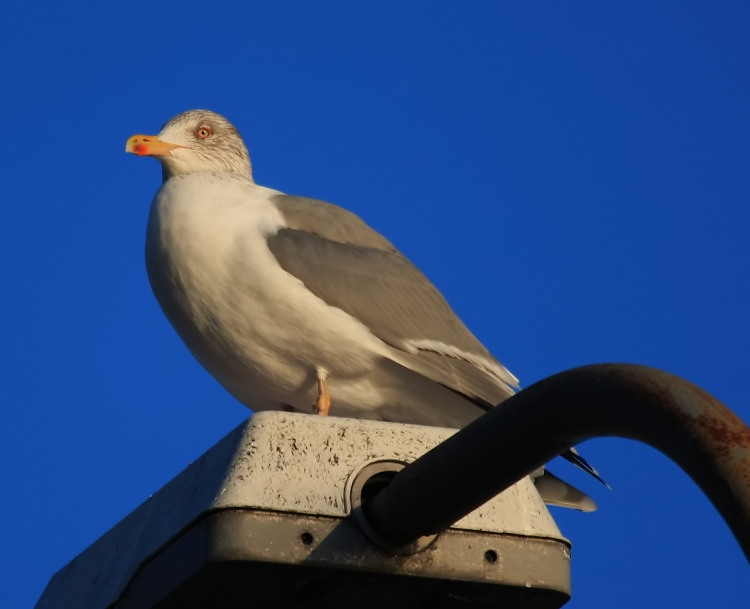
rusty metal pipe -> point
(674, 416)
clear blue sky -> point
(575, 177)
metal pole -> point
(674, 416)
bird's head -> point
(193, 142)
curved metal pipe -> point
(674, 416)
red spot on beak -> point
(141, 149)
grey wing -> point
(329, 221)
(380, 287)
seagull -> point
(297, 304)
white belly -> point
(252, 325)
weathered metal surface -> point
(291, 468)
(674, 416)
(242, 557)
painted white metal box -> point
(263, 517)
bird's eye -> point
(203, 132)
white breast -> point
(255, 327)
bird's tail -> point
(555, 491)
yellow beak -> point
(149, 145)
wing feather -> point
(350, 266)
